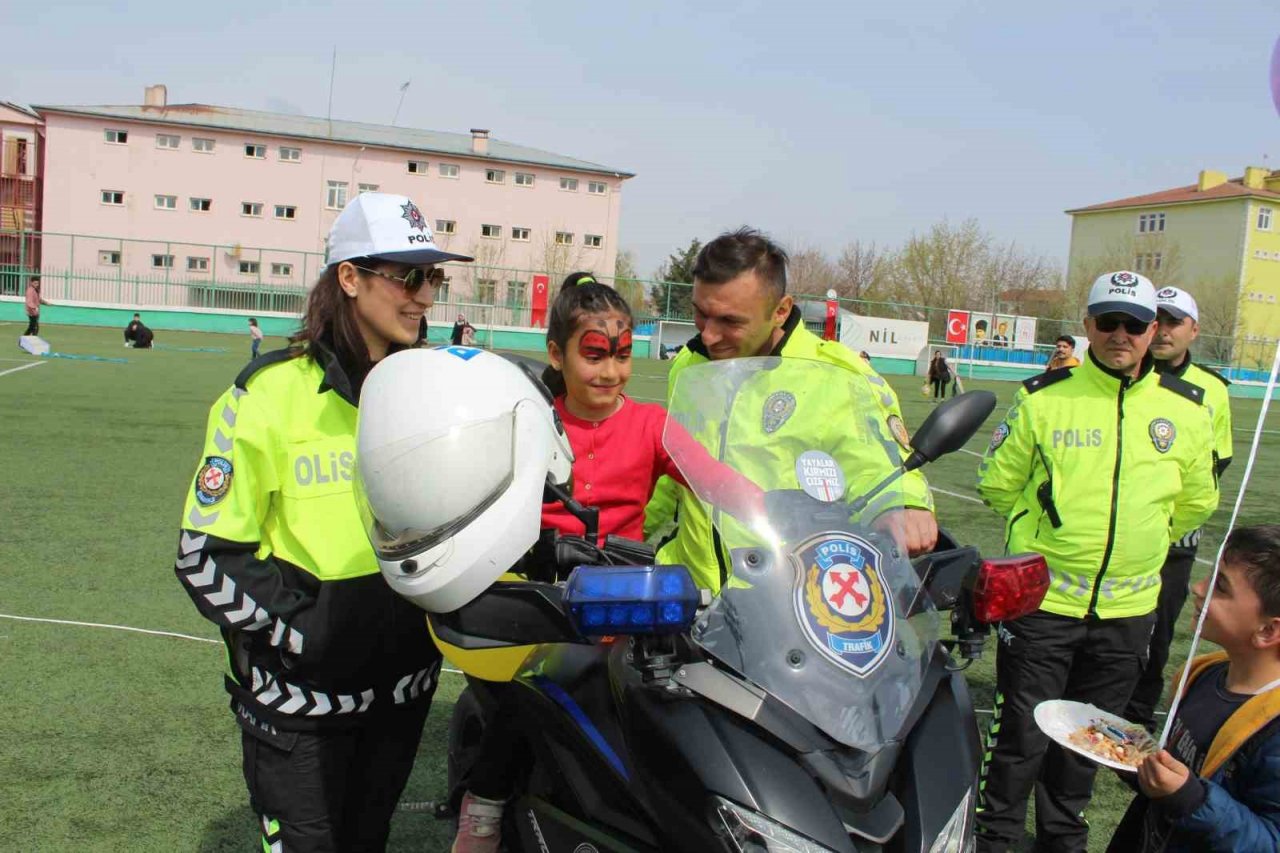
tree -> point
(862, 271)
(556, 258)
(942, 269)
(1219, 304)
(670, 298)
(627, 282)
(809, 273)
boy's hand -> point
(1161, 774)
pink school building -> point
(181, 195)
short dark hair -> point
(1066, 339)
(1256, 549)
(736, 252)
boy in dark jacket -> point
(1216, 786)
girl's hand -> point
(1161, 774)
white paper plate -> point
(1058, 718)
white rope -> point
(1213, 578)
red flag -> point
(829, 328)
(957, 327)
(539, 304)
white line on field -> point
(955, 495)
(24, 367)
(1264, 432)
(971, 452)
(133, 630)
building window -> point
(515, 294)
(250, 208)
(366, 188)
(250, 267)
(521, 234)
(162, 262)
(114, 197)
(290, 155)
(204, 146)
(417, 167)
(257, 152)
(1148, 261)
(446, 226)
(494, 231)
(569, 184)
(1264, 219)
(197, 264)
(116, 137)
(336, 197)
(109, 259)
(495, 176)
(485, 288)
(286, 211)
(1150, 223)
(564, 238)
(201, 205)
(168, 140)
(524, 179)
(597, 187)
(442, 292)
(166, 202)
(282, 269)
(593, 241)
(447, 170)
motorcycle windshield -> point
(781, 454)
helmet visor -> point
(419, 491)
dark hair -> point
(580, 294)
(330, 319)
(1066, 339)
(1257, 550)
(736, 252)
(253, 321)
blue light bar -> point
(610, 600)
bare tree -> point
(863, 271)
(941, 269)
(1156, 256)
(809, 272)
(558, 259)
(627, 282)
(1219, 304)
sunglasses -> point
(1110, 322)
(413, 280)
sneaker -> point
(479, 825)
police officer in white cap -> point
(1096, 467)
(1178, 326)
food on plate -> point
(1127, 744)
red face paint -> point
(596, 344)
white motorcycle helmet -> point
(453, 449)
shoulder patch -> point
(1182, 388)
(1044, 380)
(265, 360)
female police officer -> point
(330, 672)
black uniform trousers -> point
(33, 325)
(1174, 579)
(1039, 657)
(331, 791)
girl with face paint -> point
(618, 457)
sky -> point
(820, 123)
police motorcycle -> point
(812, 705)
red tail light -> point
(1010, 587)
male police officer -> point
(1096, 467)
(1178, 325)
(741, 309)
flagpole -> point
(403, 89)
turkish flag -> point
(829, 327)
(957, 327)
(538, 316)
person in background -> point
(255, 332)
(459, 326)
(866, 356)
(1064, 353)
(468, 335)
(34, 300)
(137, 335)
(939, 375)
(1177, 327)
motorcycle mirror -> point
(949, 426)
